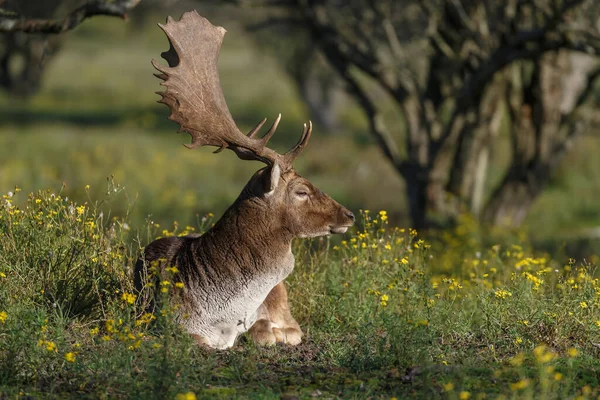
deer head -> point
(291, 204)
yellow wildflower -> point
(573, 352)
(557, 376)
(383, 300)
(186, 396)
(502, 294)
(518, 340)
(3, 316)
(70, 357)
(464, 395)
(383, 216)
(51, 346)
(586, 390)
(543, 354)
(517, 360)
(128, 298)
(520, 385)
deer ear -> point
(273, 179)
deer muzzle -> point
(346, 220)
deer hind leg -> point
(201, 340)
(262, 330)
(275, 320)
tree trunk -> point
(511, 201)
(540, 104)
(417, 195)
(322, 95)
(470, 165)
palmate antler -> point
(196, 99)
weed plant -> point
(386, 314)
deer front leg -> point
(275, 322)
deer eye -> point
(302, 193)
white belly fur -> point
(223, 320)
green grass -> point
(96, 117)
(386, 314)
(446, 328)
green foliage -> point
(96, 117)
(62, 255)
(386, 313)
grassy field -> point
(462, 314)
(96, 116)
(386, 314)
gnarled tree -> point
(453, 71)
(28, 35)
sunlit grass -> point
(164, 180)
(386, 312)
(97, 101)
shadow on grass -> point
(153, 118)
(148, 117)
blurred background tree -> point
(473, 104)
(29, 41)
(454, 73)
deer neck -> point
(253, 237)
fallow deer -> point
(233, 274)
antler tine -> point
(291, 155)
(194, 94)
(254, 130)
(271, 130)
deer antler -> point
(196, 99)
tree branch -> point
(517, 50)
(591, 81)
(76, 17)
(333, 42)
(376, 124)
(274, 21)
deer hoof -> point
(262, 334)
(291, 336)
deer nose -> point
(349, 214)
